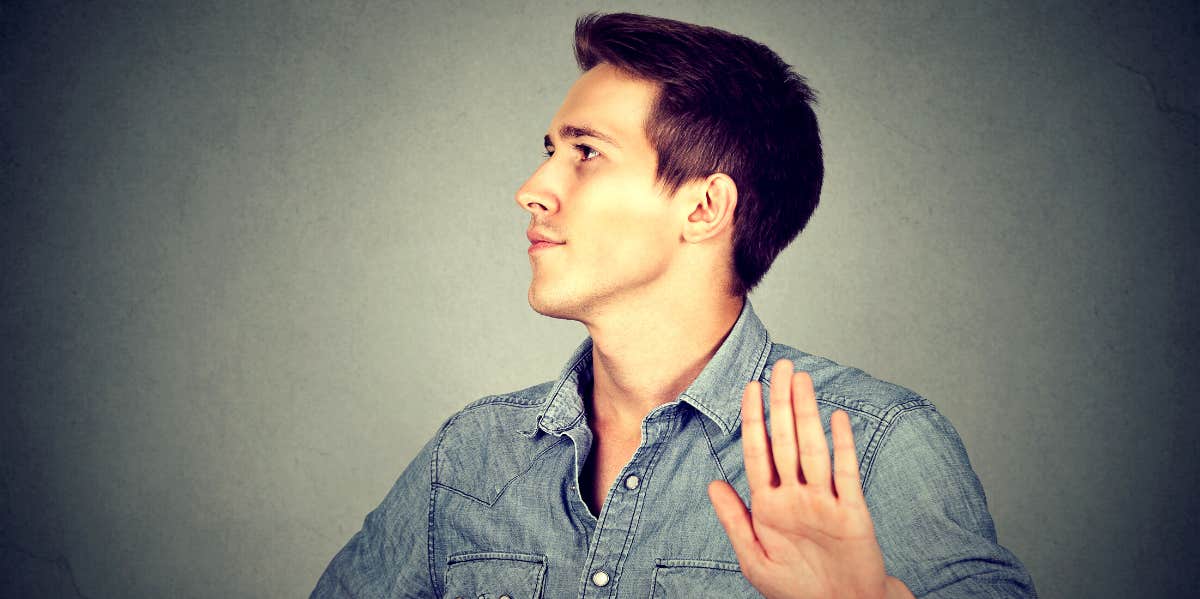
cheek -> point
(621, 221)
(632, 234)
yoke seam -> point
(431, 541)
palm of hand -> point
(828, 550)
(810, 533)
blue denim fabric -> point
(490, 507)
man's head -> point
(719, 115)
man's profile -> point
(681, 162)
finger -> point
(756, 451)
(783, 424)
(735, 519)
(810, 435)
(847, 485)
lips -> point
(537, 236)
(540, 241)
(538, 246)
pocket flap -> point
(495, 575)
(699, 578)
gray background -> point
(253, 256)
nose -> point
(536, 195)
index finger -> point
(756, 451)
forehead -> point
(610, 101)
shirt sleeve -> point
(931, 515)
(389, 557)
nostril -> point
(533, 202)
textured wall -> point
(252, 256)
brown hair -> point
(725, 104)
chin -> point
(552, 305)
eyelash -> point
(584, 149)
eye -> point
(586, 152)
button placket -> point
(619, 512)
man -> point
(682, 161)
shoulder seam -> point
(510, 399)
(887, 423)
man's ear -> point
(712, 202)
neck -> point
(645, 356)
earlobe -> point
(712, 209)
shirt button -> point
(632, 482)
(600, 578)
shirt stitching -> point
(750, 371)
(431, 540)
(573, 370)
(713, 452)
(887, 424)
(659, 445)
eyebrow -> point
(575, 131)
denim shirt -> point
(491, 508)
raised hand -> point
(810, 534)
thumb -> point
(735, 519)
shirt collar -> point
(564, 411)
(716, 392)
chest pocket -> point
(495, 575)
(699, 578)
